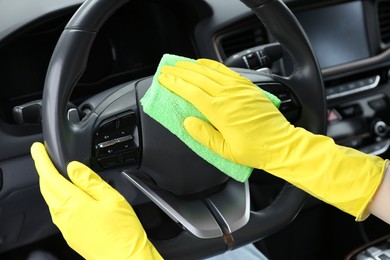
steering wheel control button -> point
(289, 106)
(108, 127)
(127, 120)
(283, 96)
(115, 141)
(110, 161)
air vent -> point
(246, 34)
(384, 20)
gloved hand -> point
(248, 129)
(95, 219)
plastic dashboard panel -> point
(15, 17)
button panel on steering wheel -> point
(114, 142)
(289, 106)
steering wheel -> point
(211, 209)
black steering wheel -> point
(211, 209)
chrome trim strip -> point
(352, 91)
(203, 225)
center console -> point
(357, 98)
(361, 122)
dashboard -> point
(355, 119)
(344, 35)
(351, 40)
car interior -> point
(73, 73)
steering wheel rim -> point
(62, 137)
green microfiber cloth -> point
(170, 110)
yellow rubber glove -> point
(95, 219)
(248, 129)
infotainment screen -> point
(337, 33)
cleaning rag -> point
(170, 110)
